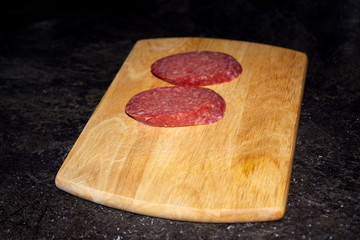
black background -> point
(57, 58)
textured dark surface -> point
(57, 60)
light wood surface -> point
(235, 170)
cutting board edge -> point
(287, 187)
(292, 156)
(170, 211)
(221, 39)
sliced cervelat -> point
(176, 106)
(199, 68)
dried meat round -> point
(199, 68)
(176, 106)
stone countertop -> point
(57, 59)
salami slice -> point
(176, 106)
(197, 68)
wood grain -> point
(235, 170)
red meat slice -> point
(197, 68)
(176, 106)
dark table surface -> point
(57, 59)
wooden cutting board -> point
(235, 170)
